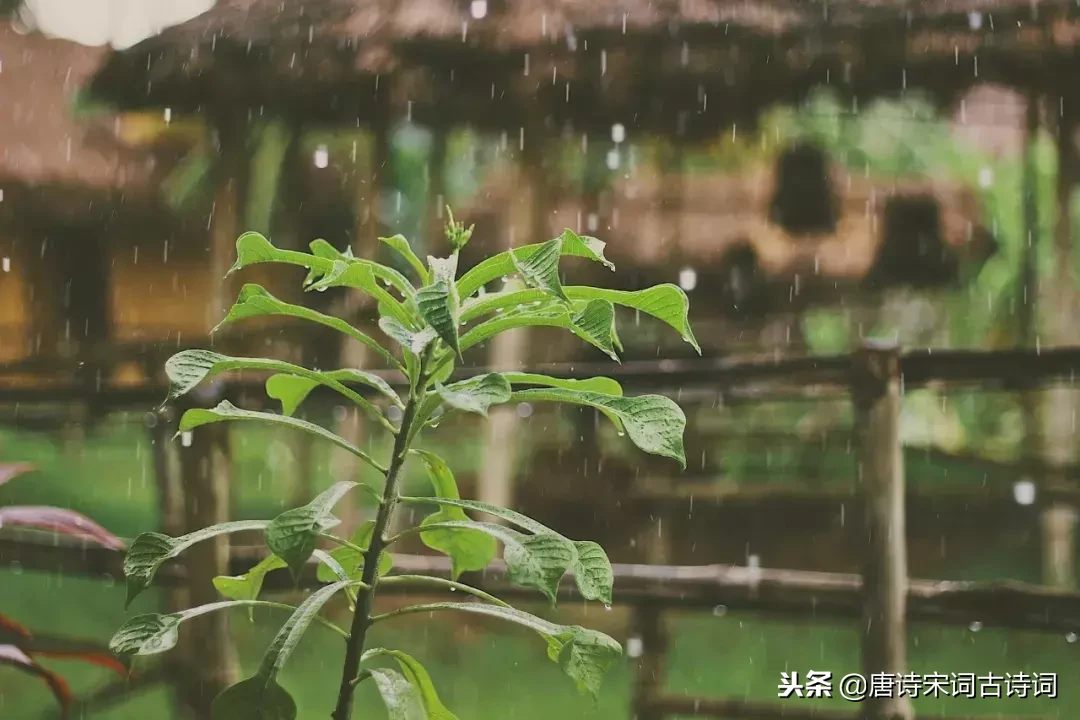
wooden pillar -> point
(232, 165)
(1028, 291)
(877, 398)
(345, 465)
(655, 548)
(651, 632)
(1059, 403)
(208, 654)
(525, 224)
(209, 658)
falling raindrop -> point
(5, 264)
(322, 156)
(986, 177)
(618, 133)
(719, 611)
(613, 159)
(478, 9)
(1024, 492)
(688, 279)
(593, 222)
(634, 647)
(975, 20)
(1070, 637)
(975, 626)
(185, 439)
(340, 413)
(168, 115)
(394, 413)
(524, 410)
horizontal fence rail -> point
(826, 596)
(1017, 369)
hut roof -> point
(324, 58)
(44, 143)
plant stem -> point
(354, 646)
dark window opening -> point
(912, 250)
(804, 202)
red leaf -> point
(11, 630)
(11, 655)
(10, 471)
(102, 658)
(59, 520)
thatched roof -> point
(704, 62)
(44, 143)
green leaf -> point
(293, 534)
(592, 572)
(654, 423)
(147, 634)
(667, 303)
(388, 275)
(188, 368)
(418, 677)
(401, 699)
(502, 264)
(476, 394)
(253, 249)
(291, 390)
(260, 697)
(593, 324)
(437, 303)
(467, 550)
(249, 585)
(227, 412)
(360, 276)
(585, 655)
(412, 341)
(401, 246)
(149, 550)
(536, 561)
(255, 301)
(603, 385)
(254, 699)
(541, 268)
(155, 633)
(587, 323)
(351, 560)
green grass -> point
(483, 672)
(496, 672)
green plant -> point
(433, 326)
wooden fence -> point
(882, 599)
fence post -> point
(877, 398)
(648, 621)
(208, 652)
